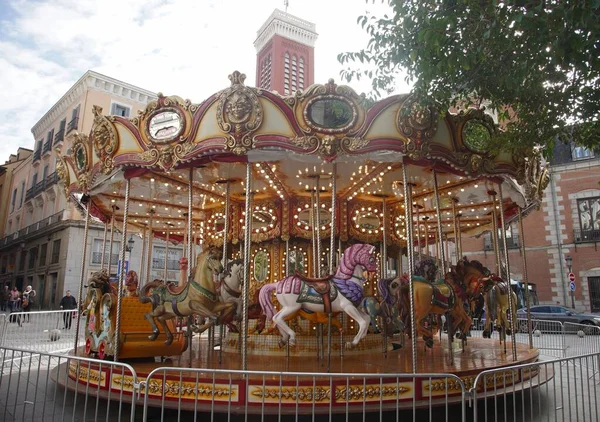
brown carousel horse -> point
(447, 296)
(497, 295)
(197, 296)
(131, 284)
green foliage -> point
(536, 63)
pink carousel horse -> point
(341, 292)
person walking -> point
(67, 303)
(15, 298)
(28, 301)
(5, 299)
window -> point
(55, 251)
(45, 172)
(594, 285)
(34, 180)
(541, 309)
(22, 194)
(32, 257)
(43, 253)
(74, 119)
(119, 110)
(589, 214)
(13, 201)
(97, 252)
(50, 136)
(158, 258)
(580, 153)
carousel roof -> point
(292, 142)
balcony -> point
(97, 258)
(31, 229)
(37, 155)
(47, 147)
(29, 194)
(511, 243)
(159, 264)
(72, 125)
(51, 180)
(59, 137)
(586, 236)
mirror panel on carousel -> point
(165, 126)
(261, 265)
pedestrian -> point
(28, 301)
(5, 299)
(15, 298)
(68, 303)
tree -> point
(535, 63)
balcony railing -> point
(159, 264)
(511, 243)
(51, 180)
(586, 236)
(47, 146)
(72, 125)
(46, 222)
(97, 258)
(59, 137)
(30, 193)
(37, 155)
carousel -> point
(316, 231)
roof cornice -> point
(287, 26)
(96, 81)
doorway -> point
(594, 285)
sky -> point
(177, 47)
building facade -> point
(560, 238)
(42, 239)
(285, 53)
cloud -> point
(182, 47)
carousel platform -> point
(345, 386)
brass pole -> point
(246, 291)
(411, 261)
(82, 274)
(150, 247)
(122, 272)
(104, 245)
(525, 278)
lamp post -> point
(569, 260)
(128, 249)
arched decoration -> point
(366, 222)
(81, 159)
(266, 221)
(62, 170)
(239, 113)
(301, 219)
(418, 123)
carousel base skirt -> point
(222, 389)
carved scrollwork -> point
(62, 172)
(105, 139)
(239, 113)
(307, 143)
(417, 121)
(536, 179)
(353, 144)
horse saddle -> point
(442, 296)
(317, 291)
(176, 289)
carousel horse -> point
(314, 317)
(496, 294)
(387, 309)
(197, 296)
(446, 296)
(340, 292)
(131, 284)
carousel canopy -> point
(293, 144)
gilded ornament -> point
(306, 142)
(149, 155)
(63, 172)
(105, 139)
(416, 120)
(353, 144)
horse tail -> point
(264, 297)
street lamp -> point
(130, 244)
(569, 260)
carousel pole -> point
(83, 261)
(418, 207)
(426, 219)
(287, 274)
(317, 229)
(411, 262)
(384, 272)
(525, 278)
(150, 242)
(246, 291)
(460, 249)
(122, 273)
(331, 255)
(315, 257)
(443, 259)
(492, 193)
(226, 231)
(455, 222)
(189, 246)
(112, 236)
(143, 263)
(104, 245)
(166, 276)
(511, 303)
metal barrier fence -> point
(29, 389)
(559, 390)
(47, 387)
(193, 394)
(548, 336)
(42, 331)
(581, 339)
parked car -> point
(560, 314)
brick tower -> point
(285, 53)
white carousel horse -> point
(343, 292)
